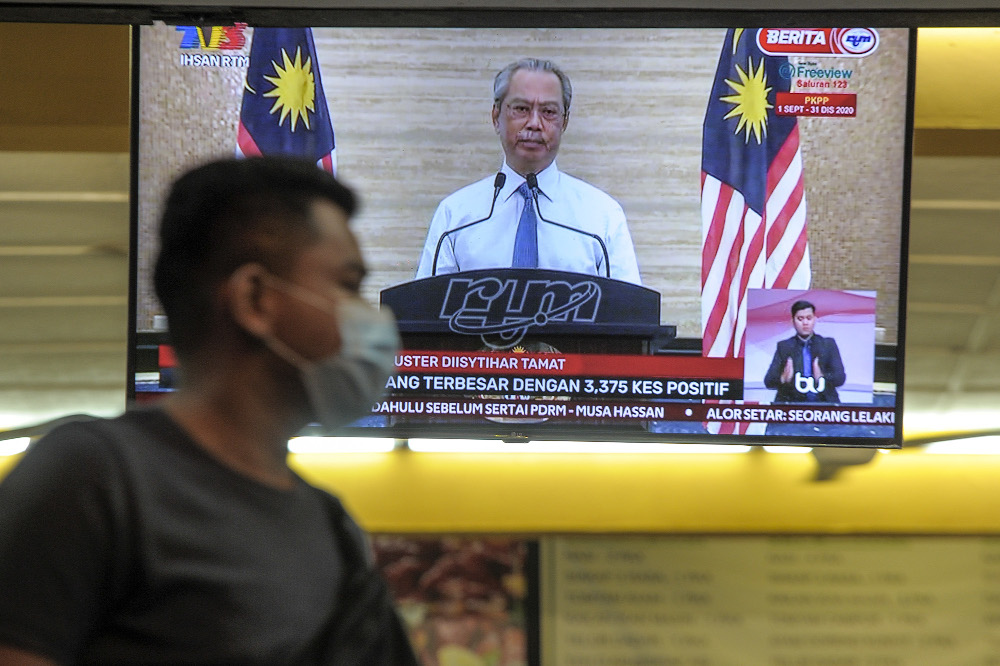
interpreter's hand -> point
(817, 372)
(786, 374)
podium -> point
(506, 308)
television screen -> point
(704, 242)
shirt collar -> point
(547, 180)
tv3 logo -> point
(510, 307)
(809, 384)
(213, 38)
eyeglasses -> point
(547, 112)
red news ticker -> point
(613, 365)
(166, 356)
(831, 105)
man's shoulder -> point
(88, 442)
(568, 180)
(472, 191)
(82, 459)
(585, 190)
(825, 340)
(342, 521)
(121, 431)
(80, 435)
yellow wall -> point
(65, 87)
(898, 492)
(956, 68)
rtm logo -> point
(857, 40)
(809, 384)
(502, 311)
(213, 38)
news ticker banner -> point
(557, 364)
(460, 385)
(575, 410)
(775, 600)
(567, 375)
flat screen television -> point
(734, 174)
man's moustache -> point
(536, 138)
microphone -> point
(532, 181)
(498, 182)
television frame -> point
(888, 359)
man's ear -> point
(565, 120)
(495, 115)
(249, 303)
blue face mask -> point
(343, 387)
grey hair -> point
(501, 83)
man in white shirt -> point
(575, 227)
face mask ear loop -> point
(301, 293)
(285, 352)
(307, 297)
(306, 370)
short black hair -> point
(802, 305)
(224, 214)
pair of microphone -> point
(532, 180)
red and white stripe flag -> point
(753, 207)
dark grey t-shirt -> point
(122, 541)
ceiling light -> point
(496, 446)
(341, 445)
(988, 445)
(14, 446)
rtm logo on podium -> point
(502, 311)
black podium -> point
(509, 307)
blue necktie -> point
(807, 367)
(526, 239)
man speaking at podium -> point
(530, 214)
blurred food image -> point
(462, 598)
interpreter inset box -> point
(845, 317)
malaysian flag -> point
(284, 109)
(753, 207)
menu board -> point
(770, 600)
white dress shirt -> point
(561, 198)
